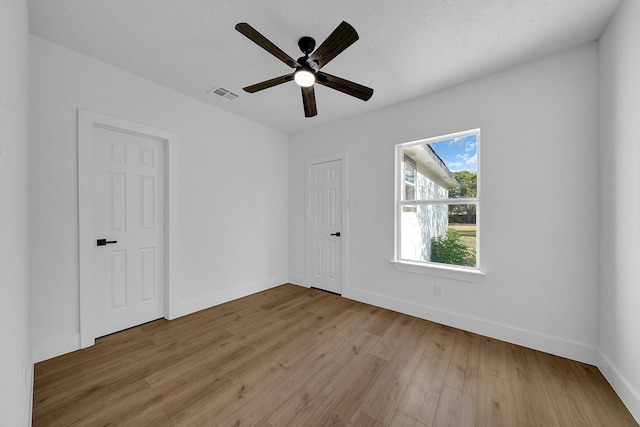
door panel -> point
(117, 285)
(325, 219)
(128, 203)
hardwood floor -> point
(293, 356)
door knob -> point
(336, 234)
(104, 242)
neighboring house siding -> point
(418, 228)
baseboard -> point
(55, 347)
(628, 394)
(191, 306)
(523, 337)
(27, 389)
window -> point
(437, 200)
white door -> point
(128, 221)
(325, 226)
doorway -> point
(122, 193)
(326, 236)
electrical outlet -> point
(437, 290)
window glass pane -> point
(409, 192)
(409, 179)
(439, 233)
(459, 245)
(443, 169)
(409, 172)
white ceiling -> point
(407, 48)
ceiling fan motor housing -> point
(306, 44)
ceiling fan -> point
(307, 68)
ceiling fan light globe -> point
(304, 78)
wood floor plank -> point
(300, 309)
(378, 320)
(570, 401)
(462, 373)
(168, 367)
(607, 405)
(281, 349)
(309, 395)
(167, 347)
(328, 303)
(331, 325)
(421, 398)
(532, 399)
(342, 404)
(310, 346)
(278, 308)
(285, 298)
(189, 393)
(269, 398)
(361, 420)
(455, 408)
(403, 420)
(384, 397)
(495, 407)
(227, 358)
(353, 325)
(292, 356)
(426, 325)
(86, 361)
(262, 335)
(308, 319)
(99, 410)
(348, 324)
(259, 318)
(391, 341)
(149, 418)
(86, 388)
(225, 314)
(232, 398)
(139, 407)
(188, 328)
(493, 358)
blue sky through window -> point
(459, 154)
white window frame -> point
(431, 268)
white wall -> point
(619, 342)
(15, 359)
(229, 176)
(539, 203)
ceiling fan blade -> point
(253, 35)
(340, 39)
(268, 83)
(344, 86)
(309, 101)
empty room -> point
(243, 213)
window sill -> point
(448, 272)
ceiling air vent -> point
(224, 93)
